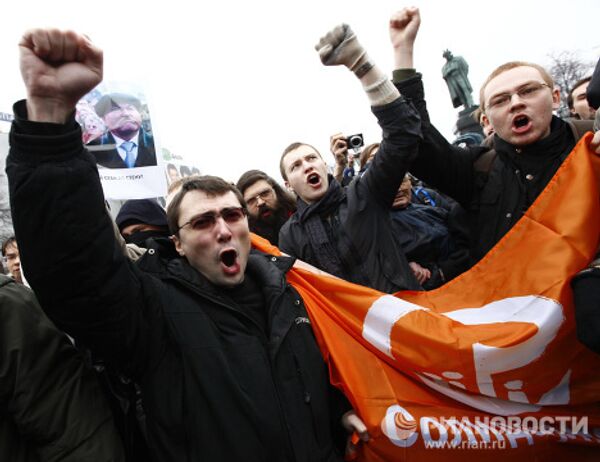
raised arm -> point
(404, 25)
(438, 163)
(69, 251)
(58, 68)
(398, 119)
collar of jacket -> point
(5, 280)
(558, 143)
(324, 206)
(163, 261)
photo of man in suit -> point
(126, 144)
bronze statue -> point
(455, 74)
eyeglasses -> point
(263, 195)
(207, 221)
(525, 92)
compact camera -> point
(355, 141)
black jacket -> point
(495, 190)
(107, 155)
(361, 229)
(215, 386)
(53, 408)
(593, 89)
(435, 238)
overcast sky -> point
(232, 83)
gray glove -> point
(341, 47)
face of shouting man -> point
(519, 104)
(305, 173)
(214, 236)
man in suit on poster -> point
(125, 144)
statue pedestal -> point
(466, 123)
(467, 129)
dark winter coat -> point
(435, 238)
(53, 407)
(497, 189)
(360, 226)
(215, 386)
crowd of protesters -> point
(185, 343)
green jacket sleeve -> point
(54, 404)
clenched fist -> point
(58, 68)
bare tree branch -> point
(566, 68)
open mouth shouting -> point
(521, 123)
(230, 263)
(314, 180)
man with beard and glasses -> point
(348, 231)
(219, 342)
(269, 205)
(126, 144)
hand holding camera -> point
(339, 148)
(355, 142)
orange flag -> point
(487, 366)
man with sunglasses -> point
(495, 185)
(218, 341)
(269, 205)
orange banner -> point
(487, 366)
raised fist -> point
(341, 47)
(58, 68)
(404, 25)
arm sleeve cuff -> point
(40, 140)
(402, 74)
(26, 127)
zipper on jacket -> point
(288, 448)
(307, 399)
(219, 301)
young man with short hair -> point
(577, 100)
(497, 184)
(348, 231)
(11, 256)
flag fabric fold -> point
(487, 366)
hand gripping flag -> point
(488, 366)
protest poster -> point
(117, 130)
